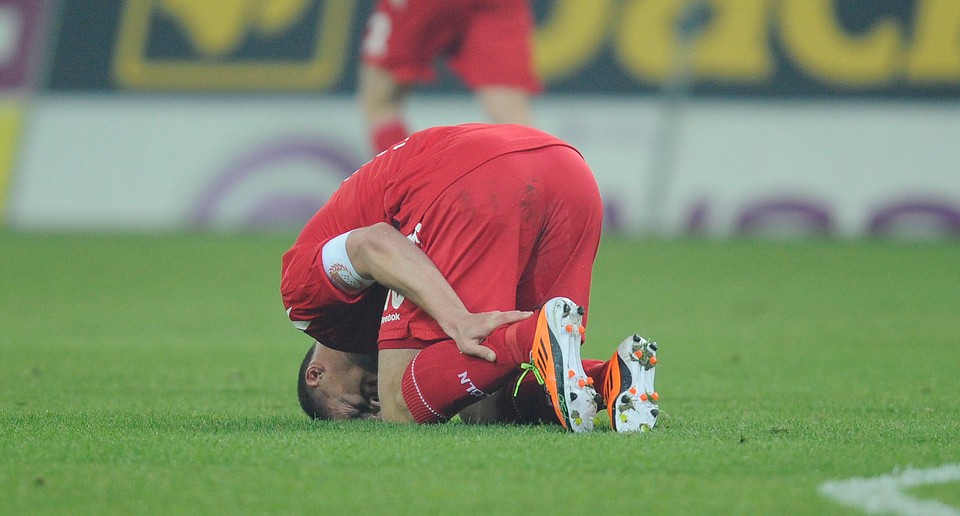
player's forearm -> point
(382, 253)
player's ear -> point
(314, 373)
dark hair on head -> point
(310, 405)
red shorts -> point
(512, 234)
(486, 42)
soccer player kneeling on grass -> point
(459, 258)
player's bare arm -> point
(382, 253)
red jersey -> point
(397, 187)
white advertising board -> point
(710, 167)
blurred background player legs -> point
(382, 101)
(506, 105)
(487, 43)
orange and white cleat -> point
(556, 357)
(632, 403)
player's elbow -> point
(371, 248)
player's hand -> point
(469, 331)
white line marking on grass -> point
(884, 494)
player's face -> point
(350, 388)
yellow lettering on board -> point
(734, 46)
(571, 36)
(646, 39)
(217, 27)
(821, 48)
(935, 55)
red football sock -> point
(385, 134)
(440, 381)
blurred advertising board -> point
(712, 117)
(766, 48)
(23, 25)
(877, 169)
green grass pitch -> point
(154, 374)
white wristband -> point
(337, 265)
